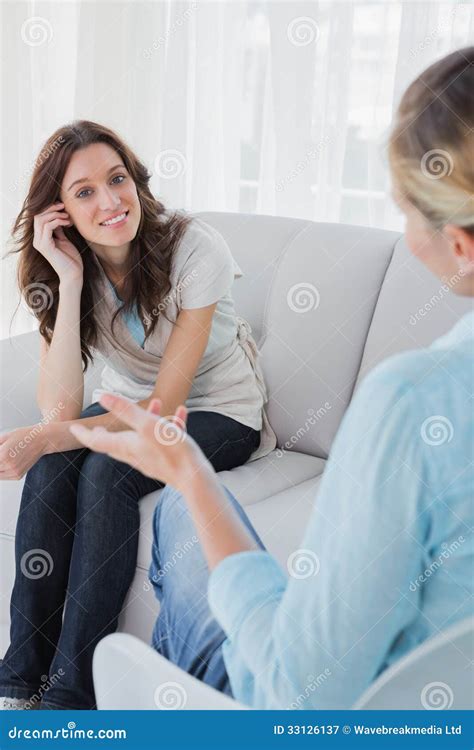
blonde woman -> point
(389, 504)
(107, 269)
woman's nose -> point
(108, 199)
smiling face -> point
(97, 188)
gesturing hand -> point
(159, 448)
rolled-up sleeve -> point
(261, 577)
(316, 636)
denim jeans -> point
(75, 552)
(186, 631)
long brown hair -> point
(431, 145)
(147, 281)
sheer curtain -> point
(266, 107)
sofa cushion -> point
(253, 484)
(321, 302)
(281, 520)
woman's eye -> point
(120, 177)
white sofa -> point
(362, 291)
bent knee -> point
(170, 506)
(47, 468)
(101, 469)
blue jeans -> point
(186, 631)
(75, 552)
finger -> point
(54, 207)
(48, 228)
(154, 407)
(42, 219)
(126, 410)
(180, 416)
(50, 225)
(50, 209)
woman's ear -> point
(462, 246)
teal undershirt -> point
(132, 321)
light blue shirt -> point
(132, 320)
(389, 547)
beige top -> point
(229, 378)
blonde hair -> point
(431, 146)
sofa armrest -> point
(19, 371)
(19, 361)
(129, 675)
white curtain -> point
(268, 107)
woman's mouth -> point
(117, 221)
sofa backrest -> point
(309, 292)
(327, 302)
(413, 309)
